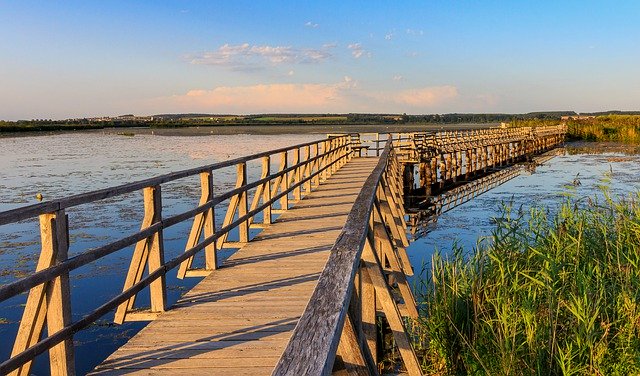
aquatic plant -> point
(544, 294)
(618, 128)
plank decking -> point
(238, 320)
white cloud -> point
(312, 25)
(343, 96)
(415, 32)
(398, 77)
(291, 73)
(388, 36)
(357, 51)
(245, 57)
(310, 97)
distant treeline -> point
(194, 120)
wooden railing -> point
(302, 168)
(338, 327)
(429, 210)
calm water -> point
(65, 164)
(548, 187)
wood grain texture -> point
(241, 316)
(313, 346)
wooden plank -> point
(255, 300)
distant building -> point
(577, 117)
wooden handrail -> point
(314, 342)
(335, 152)
(374, 235)
(18, 214)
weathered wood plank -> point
(256, 298)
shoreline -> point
(259, 129)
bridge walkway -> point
(238, 320)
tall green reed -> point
(543, 295)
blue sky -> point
(92, 58)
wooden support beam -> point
(385, 247)
(368, 315)
(350, 351)
(203, 222)
(390, 309)
(147, 251)
(49, 302)
(243, 205)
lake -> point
(64, 164)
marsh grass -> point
(543, 295)
(617, 128)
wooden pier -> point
(302, 297)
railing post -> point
(266, 191)
(50, 301)
(296, 176)
(210, 251)
(204, 222)
(284, 183)
(151, 251)
(314, 167)
(243, 205)
(307, 169)
(156, 253)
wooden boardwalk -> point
(238, 320)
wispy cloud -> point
(264, 98)
(346, 95)
(357, 51)
(312, 25)
(243, 57)
(414, 32)
(388, 36)
(398, 77)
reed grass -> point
(543, 295)
(617, 128)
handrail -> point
(18, 214)
(375, 235)
(341, 315)
(305, 174)
(371, 244)
(314, 341)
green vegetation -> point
(542, 296)
(618, 128)
(607, 128)
(213, 120)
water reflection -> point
(577, 171)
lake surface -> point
(64, 164)
(579, 172)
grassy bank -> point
(605, 128)
(544, 296)
(616, 128)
